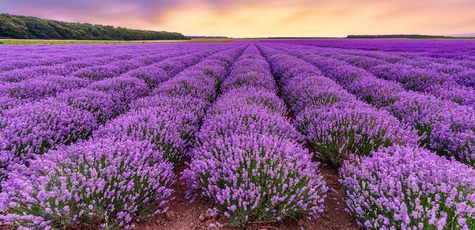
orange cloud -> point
(324, 18)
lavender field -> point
(105, 136)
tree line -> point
(223, 37)
(25, 27)
(395, 36)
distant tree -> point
(12, 26)
(395, 36)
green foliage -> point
(17, 27)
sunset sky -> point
(263, 18)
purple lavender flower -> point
(101, 105)
(123, 89)
(96, 73)
(248, 158)
(336, 132)
(446, 129)
(89, 183)
(168, 128)
(34, 128)
(41, 87)
(257, 171)
(411, 187)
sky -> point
(262, 18)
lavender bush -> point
(304, 91)
(34, 128)
(8, 103)
(199, 86)
(162, 71)
(336, 132)
(410, 188)
(101, 105)
(257, 178)
(96, 73)
(186, 103)
(466, 78)
(41, 87)
(101, 184)
(151, 75)
(246, 96)
(435, 82)
(18, 75)
(167, 128)
(123, 89)
(245, 120)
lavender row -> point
(170, 119)
(29, 85)
(112, 96)
(333, 121)
(26, 60)
(49, 86)
(20, 58)
(35, 127)
(447, 127)
(444, 65)
(450, 49)
(201, 81)
(115, 68)
(75, 67)
(461, 71)
(249, 159)
(37, 88)
(447, 79)
(119, 177)
(410, 188)
(430, 81)
(404, 187)
(97, 184)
